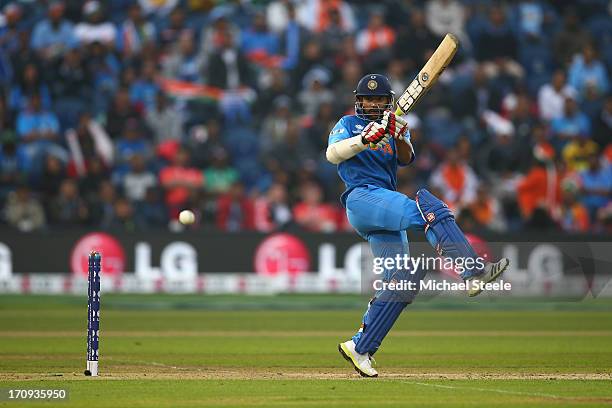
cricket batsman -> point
(368, 147)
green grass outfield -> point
(208, 351)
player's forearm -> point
(405, 151)
(345, 149)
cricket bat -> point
(428, 75)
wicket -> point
(93, 313)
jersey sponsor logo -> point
(337, 131)
(360, 127)
(384, 149)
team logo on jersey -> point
(372, 84)
(430, 217)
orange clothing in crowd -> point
(575, 218)
(483, 211)
(369, 40)
(457, 182)
(324, 13)
(178, 181)
(539, 187)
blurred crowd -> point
(121, 113)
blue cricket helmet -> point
(373, 85)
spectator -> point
(531, 16)
(344, 100)
(315, 91)
(13, 164)
(603, 123)
(96, 174)
(456, 180)
(152, 212)
(277, 15)
(273, 209)
(497, 40)
(104, 70)
(71, 78)
(68, 208)
(576, 153)
(30, 83)
(317, 133)
(502, 154)
(596, 184)
(227, 67)
(573, 215)
(138, 180)
(274, 128)
(53, 175)
(311, 213)
(178, 179)
(220, 176)
(587, 70)
(87, 142)
(481, 94)
(291, 41)
(487, 210)
(259, 45)
(121, 111)
(135, 33)
(235, 210)
(218, 33)
(23, 212)
(53, 36)
(101, 205)
(95, 28)
(313, 57)
(316, 15)
(294, 153)
(123, 218)
(38, 132)
(203, 140)
(375, 42)
(571, 39)
(446, 16)
(540, 187)
(144, 89)
(165, 120)
(273, 83)
(551, 97)
(132, 143)
(421, 39)
(184, 63)
(571, 124)
(12, 29)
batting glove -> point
(395, 125)
(374, 134)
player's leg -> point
(384, 309)
(448, 240)
(386, 306)
(393, 211)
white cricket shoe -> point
(492, 271)
(361, 362)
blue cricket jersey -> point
(374, 166)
